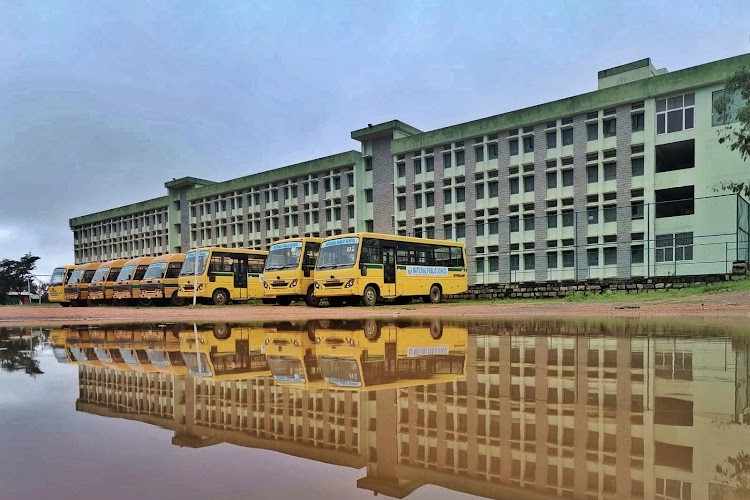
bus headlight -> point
(295, 343)
(317, 286)
(349, 341)
(265, 285)
(293, 284)
(317, 340)
(349, 283)
(200, 287)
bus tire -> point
(176, 300)
(144, 302)
(310, 298)
(222, 331)
(268, 302)
(65, 304)
(436, 330)
(370, 296)
(402, 300)
(436, 294)
(220, 297)
(283, 301)
(372, 330)
(335, 301)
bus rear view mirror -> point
(363, 270)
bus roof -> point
(396, 237)
(88, 266)
(169, 257)
(299, 238)
(247, 251)
(139, 261)
(66, 266)
(112, 263)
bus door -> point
(389, 269)
(240, 276)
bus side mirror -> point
(306, 272)
(363, 270)
(211, 278)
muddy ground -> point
(731, 307)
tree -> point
(16, 274)
(733, 110)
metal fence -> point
(604, 240)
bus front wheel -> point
(436, 294)
(220, 298)
(283, 301)
(310, 298)
(370, 296)
(176, 300)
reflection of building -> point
(608, 413)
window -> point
(592, 131)
(675, 156)
(492, 151)
(401, 204)
(528, 222)
(675, 202)
(609, 127)
(636, 254)
(429, 164)
(460, 230)
(479, 153)
(592, 215)
(448, 231)
(552, 139)
(460, 194)
(567, 177)
(610, 171)
(514, 225)
(492, 189)
(494, 226)
(368, 195)
(675, 113)
(592, 174)
(552, 260)
(683, 246)
(447, 160)
(368, 164)
(638, 122)
(417, 166)
(479, 190)
(494, 264)
(636, 167)
(528, 144)
(514, 262)
(568, 258)
(551, 220)
(513, 146)
(592, 257)
(568, 218)
(636, 210)
(610, 256)
(460, 158)
(400, 171)
(664, 248)
(479, 225)
(418, 200)
(513, 185)
(551, 180)
(447, 197)
(429, 199)
(528, 184)
(610, 213)
(567, 136)
(528, 262)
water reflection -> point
(500, 409)
(19, 349)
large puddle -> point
(432, 409)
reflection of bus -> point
(150, 348)
(128, 283)
(224, 352)
(56, 288)
(288, 274)
(371, 266)
(231, 274)
(380, 356)
(77, 286)
(103, 283)
(160, 281)
(291, 357)
(69, 346)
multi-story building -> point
(618, 182)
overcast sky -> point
(102, 102)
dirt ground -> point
(731, 307)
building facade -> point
(614, 183)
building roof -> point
(384, 129)
(133, 208)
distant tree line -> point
(15, 275)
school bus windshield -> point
(155, 270)
(58, 275)
(340, 371)
(75, 277)
(125, 273)
(191, 360)
(286, 369)
(284, 256)
(338, 253)
(188, 267)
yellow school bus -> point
(77, 286)
(288, 274)
(290, 352)
(103, 283)
(127, 286)
(56, 287)
(160, 281)
(223, 274)
(70, 346)
(224, 352)
(370, 266)
(378, 356)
